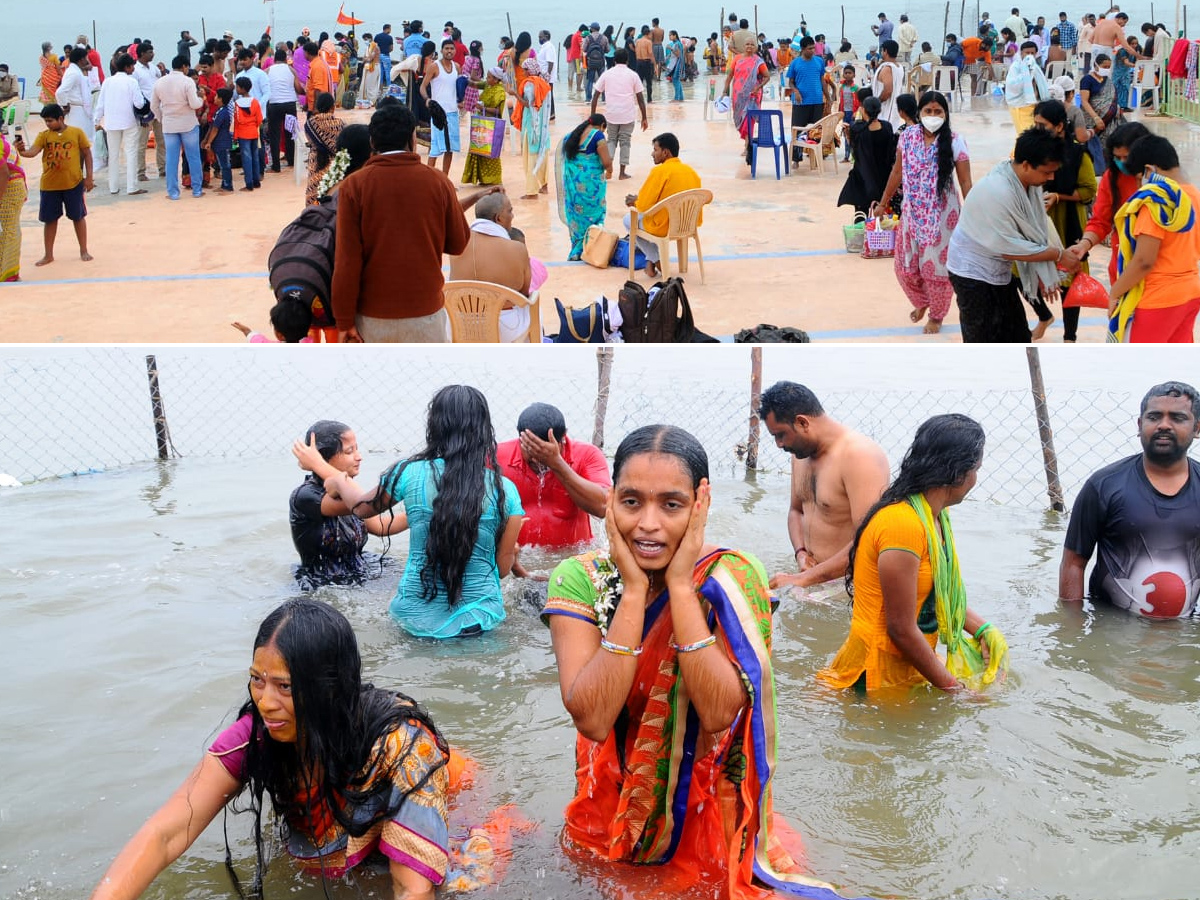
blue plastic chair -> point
(765, 134)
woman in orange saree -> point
(51, 73)
(663, 647)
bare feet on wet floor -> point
(653, 269)
(1040, 329)
(624, 176)
(917, 314)
(933, 326)
(545, 189)
(85, 256)
(529, 196)
(44, 261)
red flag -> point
(343, 19)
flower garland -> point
(607, 581)
(334, 174)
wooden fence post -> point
(1045, 432)
(755, 398)
(604, 361)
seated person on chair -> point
(669, 176)
(8, 87)
(492, 255)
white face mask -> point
(1104, 71)
(933, 124)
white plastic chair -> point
(818, 151)
(947, 82)
(1145, 79)
(1055, 69)
(683, 223)
(474, 308)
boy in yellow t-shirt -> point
(66, 156)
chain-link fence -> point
(78, 412)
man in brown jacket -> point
(396, 217)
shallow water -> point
(132, 598)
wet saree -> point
(658, 791)
(582, 190)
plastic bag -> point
(1086, 291)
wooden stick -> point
(510, 34)
(755, 399)
(843, 23)
(1045, 432)
(203, 30)
(604, 361)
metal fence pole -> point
(604, 361)
(1045, 432)
(162, 434)
(755, 397)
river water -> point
(131, 598)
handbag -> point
(598, 246)
(586, 325)
(853, 234)
(879, 241)
(460, 87)
(487, 136)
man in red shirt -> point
(562, 482)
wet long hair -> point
(571, 144)
(328, 434)
(459, 432)
(668, 440)
(944, 451)
(339, 724)
(945, 139)
(1122, 136)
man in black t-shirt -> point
(385, 42)
(1142, 516)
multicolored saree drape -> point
(658, 790)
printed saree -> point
(14, 198)
(658, 791)
(582, 190)
(745, 91)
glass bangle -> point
(618, 649)
(699, 645)
(982, 628)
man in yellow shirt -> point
(669, 176)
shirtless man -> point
(837, 475)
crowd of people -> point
(256, 106)
(657, 625)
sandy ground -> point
(182, 271)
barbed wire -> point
(91, 410)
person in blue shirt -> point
(220, 138)
(416, 38)
(805, 81)
(463, 517)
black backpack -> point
(665, 318)
(595, 53)
(303, 259)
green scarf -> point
(963, 658)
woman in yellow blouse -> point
(905, 581)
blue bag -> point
(586, 325)
(620, 257)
